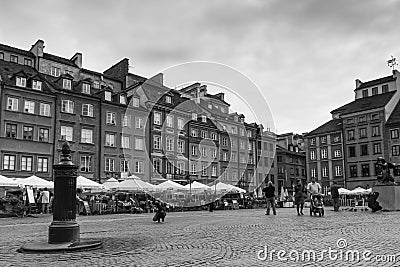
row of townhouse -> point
(345, 149)
(118, 123)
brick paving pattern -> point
(220, 238)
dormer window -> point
(107, 95)
(168, 99)
(67, 84)
(14, 58)
(96, 84)
(222, 109)
(122, 99)
(21, 81)
(135, 102)
(194, 116)
(203, 118)
(210, 106)
(236, 118)
(86, 88)
(55, 71)
(37, 85)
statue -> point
(383, 171)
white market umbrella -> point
(196, 185)
(83, 182)
(343, 191)
(7, 182)
(223, 187)
(359, 191)
(35, 181)
(134, 184)
(111, 183)
(169, 185)
(238, 189)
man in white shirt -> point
(313, 187)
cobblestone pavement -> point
(220, 238)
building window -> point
(338, 171)
(111, 118)
(29, 107)
(352, 151)
(324, 172)
(213, 170)
(66, 133)
(67, 84)
(180, 124)
(203, 118)
(214, 136)
(241, 132)
(55, 71)
(214, 152)
(374, 90)
(364, 150)
(21, 81)
(385, 88)
(233, 157)
(86, 164)
(362, 119)
(394, 133)
(110, 165)
(353, 170)
(365, 93)
(376, 131)
(139, 143)
(204, 170)
(87, 136)
(157, 165)
(193, 133)
(12, 103)
(44, 109)
(9, 162)
(312, 141)
(157, 142)
(11, 130)
(1, 56)
(107, 95)
(396, 150)
(233, 130)
(86, 88)
(181, 146)
(350, 135)
(170, 168)
(87, 110)
(67, 106)
(139, 166)
(157, 118)
(110, 140)
(324, 153)
(37, 85)
(193, 169)
(194, 116)
(124, 166)
(323, 139)
(313, 172)
(338, 153)
(225, 141)
(170, 144)
(242, 158)
(194, 150)
(168, 99)
(122, 99)
(126, 121)
(363, 132)
(181, 168)
(138, 123)
(203, 134)
(365, 169)
(204, 152)
(28, 133)
(43, 135)
(96, 84)
(312, 155)
(26, 163)
(42, 164)
(135, 101)
(377, 148)
(350, 121)
(14, 58)
(170, 121)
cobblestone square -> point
(220, 238)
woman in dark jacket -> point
(299, 197)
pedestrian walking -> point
(161, 211)
(45, 200)
(299, 197)
(335, 196)
(270, 196)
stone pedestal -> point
(389, 196)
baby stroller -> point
(317, 205)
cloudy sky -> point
(304, 55)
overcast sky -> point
(303, 55)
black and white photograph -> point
(199, 133)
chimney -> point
(77, 59)
(358, 83)
(37, 48)
(220, 96)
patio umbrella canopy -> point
(343, 191)
(359, 191)
(197, 185)
(169, 185)
(35, 181)
(111, 183)
(7, 182)
(83, 182)
(134, 184)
